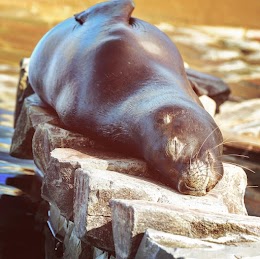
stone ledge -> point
(95, 188)
(62, 232)
(132, 218)
(157, 245)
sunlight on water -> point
(10, 167)
(8, 190)
(3, 146)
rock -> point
(237, 66)
(99, 254)
(220, 55)
(58, 181)
(252, 35)
(60, 165)
(23, 88)
(243, 45)
(130, 219)
(33, 113)
(186, 35)
(48, 136)
(231, 189)
(239, 123)
(208, 104)
(100, 159)
(205, 84)
(75, 248)
(166, 27)
(58, 224)
(223, 32)
(252, 194)
(244, 86)
(53, 248)
(253, 58)
(252, 200)
(157, 244)
(95, 188)
(63, 233)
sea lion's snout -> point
(199, 177)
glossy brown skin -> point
(122, 79)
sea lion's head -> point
(184, 144)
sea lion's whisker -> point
(232, 141)
(206, 140)
(222, 143)
(252, 186)
(242, 166)
(225, 142)
(234, 155)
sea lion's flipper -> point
(81, 17)
(197, 89)
(119, 9)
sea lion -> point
(123, 80)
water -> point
(23, 23)
(18, 236)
